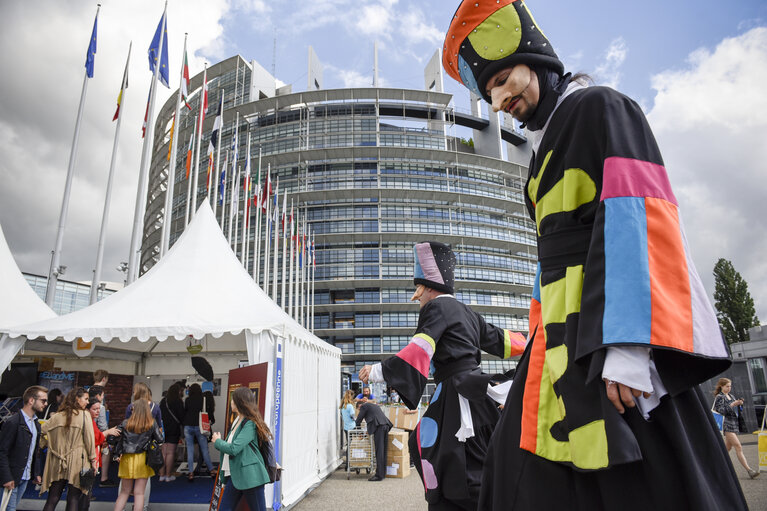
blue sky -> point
(698, 69)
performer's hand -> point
(622, 395)
(365, 373)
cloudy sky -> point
(697, 67)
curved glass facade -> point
(374, 171)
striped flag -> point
(284, 214)
(222, 181)
(266, 192)
(122, 89)
(146, 114)
(170, 143)
(213, 142)
(185, 82)
(189, 150)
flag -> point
(314, 260)
(172, 127)
(246, 197)
(122, 89)
(257, 196)
(266, 192)
(275, 216)
(185, 82)
(222, 181)
(154, 48)
(284, 214)
(213, 142)
(146, 114)
(189, 150)
(204, 106)
(90, 56)
(292, 224)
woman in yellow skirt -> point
(136, 433)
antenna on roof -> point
(375, 64)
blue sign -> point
(277, 499)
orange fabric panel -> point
(671, 323)
(528, 437)
(467, 18)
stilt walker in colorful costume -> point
(450, 442)
(605, 410)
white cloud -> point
(37, 117)
(710, 124)
(608, 72)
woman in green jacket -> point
(242, 464)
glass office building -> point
(70, 296)
(374, 170)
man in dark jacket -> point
(20, 445)
(378, 427)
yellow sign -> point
(82, 348)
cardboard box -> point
(402, 418)
(398, 444)
(398, 467)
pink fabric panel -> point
(428, 264)
(626, 177)
(416, 357)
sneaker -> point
(170, 478)
(163, 479)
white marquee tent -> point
(201, 289)
(19, 304)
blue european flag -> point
(221, 186)
(90, 57)
(154, 49)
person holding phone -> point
(726, 404)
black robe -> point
(614, 270)
(448, 339)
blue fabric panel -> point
(627, 315)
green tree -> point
(734, 305)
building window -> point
(758, 375)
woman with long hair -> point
(192, 408)
(242, 465)
(71, 449)
(136, 433)
(94, 409)
(55, 397)
(141, 391)
(172, 408)
(725, 404)
(347, 413)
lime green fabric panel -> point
(534, 182)
(589, 446)
(549, 412)
(556, 360)
(562, 297)
(573, 190)
(428, 339)
(498, 36)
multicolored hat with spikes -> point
(434, 266)
(486, 36)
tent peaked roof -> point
(19, 304)
(198, 288)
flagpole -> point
(275, 226)
(303, 272)
(314, 278)
(55, 271)
(237, 214)
(290, 279)
(168, 216)
(267, 244)
(108, 198)
(138, 216)
(231, 204)
(296, 277)
(189, 177)
(243, 243)
(199, 140)
(284, 244)
(218, 155)
(257, 256)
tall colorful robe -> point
(449, 340)
(614, 270)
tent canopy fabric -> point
(199, 288)
(19, 304)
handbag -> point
(763, 444)
(266, 449)
(718, 418)
(204, 419)
(87, 476)
(153, 449)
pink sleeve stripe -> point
(626, 177)
(415, 356)
(428, 264)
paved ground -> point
(407, 494)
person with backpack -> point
(135, 435)
(172, 408)
(242, 465)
